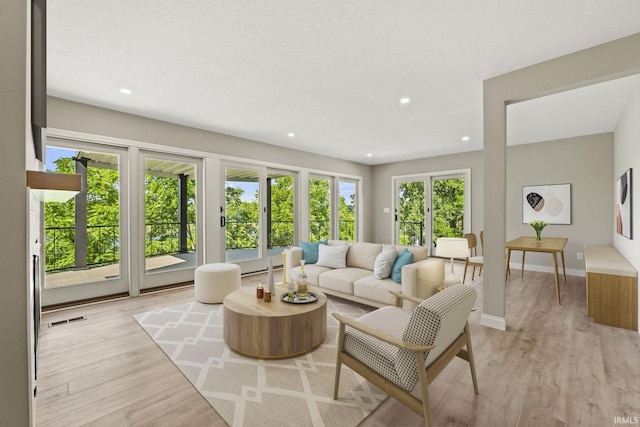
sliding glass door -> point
(281, 214)
(242, 218)
(171, 213)
(86, 238)
(411, 213)
(430, 206)
(258, 215)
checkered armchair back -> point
(438, 321)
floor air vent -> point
(66, 321)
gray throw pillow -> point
(384, 263)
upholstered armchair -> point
(397, 350)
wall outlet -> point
(579, 256)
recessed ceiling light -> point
(125, 91)
(405, 100)
(291, 134)
(369, 155)
(465, 138)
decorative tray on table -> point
(311, 297)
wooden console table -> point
(612, 287)
(552, 245)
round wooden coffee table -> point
(275, 329)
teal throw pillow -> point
(310, 251)
(404, 257)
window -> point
(319, 208)
(347, 210)
(429, 206)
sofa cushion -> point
(376, 290)
(310, 251)
(384, 263)
(419, 252)
(337, 242)
(363, 255)
(342, 279)
(404, 257)
(312, 271)
(332, 256)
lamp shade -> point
(452, 247)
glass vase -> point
(303, 288)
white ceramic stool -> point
(213, 282)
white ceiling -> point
(333, 71)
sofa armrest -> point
(421, 279)
(293, 256)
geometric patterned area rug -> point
(251, 392)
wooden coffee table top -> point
(244, 301)
(275, 329)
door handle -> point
(223, 221)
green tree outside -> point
(103, 221)
(162, 199)
(103, 206)
(243, 216)
(448, 208)
(281, 233)
(347, 216)
(319, 209)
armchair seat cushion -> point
(371, 351)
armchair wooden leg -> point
(424, 389)
(336, 379)
(464, 275)
(472, 363)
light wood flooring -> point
(552, 367)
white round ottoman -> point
(213, 282)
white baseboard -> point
(494, 322)
(546, 269)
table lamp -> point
(452, 247)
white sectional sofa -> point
(356, 280)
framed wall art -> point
(623, 205)
(550, 203)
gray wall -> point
(584, 162)
(627, 155)
(16, 142)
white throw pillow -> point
(384, 263)
(332, 256)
